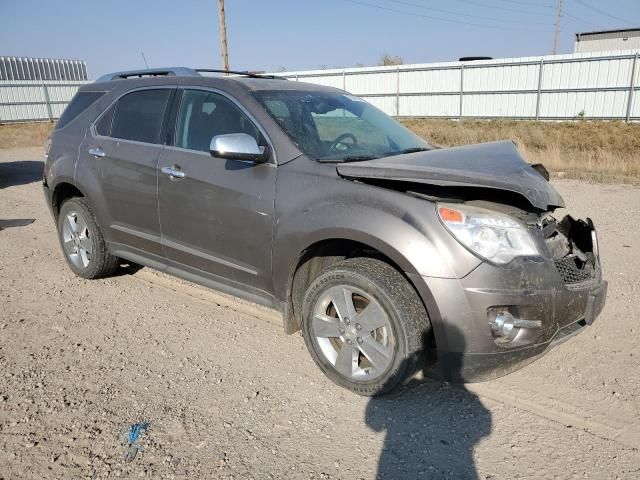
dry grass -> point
(18, 135)
(599, 151)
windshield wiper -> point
(352, 158)
(413, 150)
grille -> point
(570, 272)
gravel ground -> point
(228, 395)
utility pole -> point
(557, 31)
(223, 35)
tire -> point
(82, 242)
(384, 342)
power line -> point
(451, 12)
(579, 20)
(601, 12)
(528, 3)
(461, 22)
(506, 9)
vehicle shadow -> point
(20, 172)
(127, 268)
(431, 430)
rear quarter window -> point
(103, 127)
(78, 104)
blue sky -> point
(295, 34)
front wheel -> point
(364, 325)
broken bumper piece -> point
(498, 319)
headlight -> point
(491, 235)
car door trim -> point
(183, 248)
(192, 251)
(222, 284)
(136, 233)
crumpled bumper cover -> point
(479, 367)
(467, 351)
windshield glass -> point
(338, 127)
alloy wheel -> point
(353, 333)
(76, 239)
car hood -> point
(494, 165)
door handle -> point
(173, 171)
(96, 152)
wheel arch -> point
(324, 252)
(61, 192)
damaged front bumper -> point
(497, 319)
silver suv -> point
(390, 255)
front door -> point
(216, 215)
(129, 155)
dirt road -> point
(228, 395)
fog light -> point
(506, 327)
(502, 324)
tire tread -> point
(404, 298)
(102, 263)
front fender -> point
(404, 228)
(398, 240)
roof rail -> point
(151, 72)
(177, 72)
(245, 73)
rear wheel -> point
(364, 325)
(82, 241)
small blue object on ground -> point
(135, 431)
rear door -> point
(129, 152)
(218, 217)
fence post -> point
(398, 91)
(344, 80)
(541, 69)
(631, 88)
(47, 100)
(461, 90)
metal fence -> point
(33, 89)
(561, 87)
(28, 101)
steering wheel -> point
(340, 140)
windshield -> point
(337, 127)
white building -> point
(28, 68)
(608, 40)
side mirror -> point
(238, 146)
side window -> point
(78, 104)
(103, 127)
(204, 115)
(138, 116)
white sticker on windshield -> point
(353, 98)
